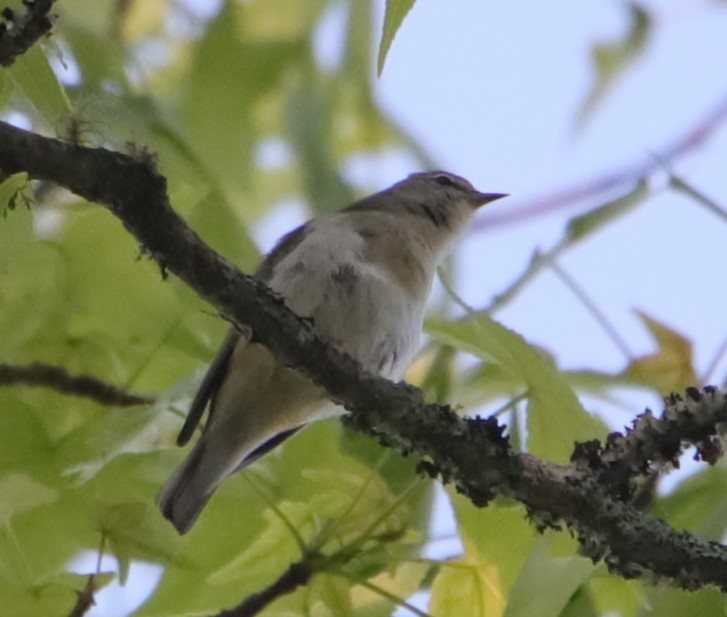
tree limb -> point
(469, 452)
(297, 575)
(18, 33)
(57, 378)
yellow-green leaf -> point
(546, 585)
(396, 11)
(585, 224)
(671, 367)
(468, 587)
(611, 59)
(37, 83)
(556, 418)
(10, 188)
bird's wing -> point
(285, 246)
(218, 369)
(210, 384)
(269, 445)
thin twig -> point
(593, 309)
(692, 139)
(85, 600)
(297, 575)
(57, 378)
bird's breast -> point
(356, 302)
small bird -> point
(363, 275)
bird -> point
(363, 276)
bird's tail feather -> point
(186, 493)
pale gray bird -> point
(363, 276)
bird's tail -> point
(187, 492)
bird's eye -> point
(444, 180)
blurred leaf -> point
(135, 531)
(58, 590)
(500, 533)
(309, 124)
(37, 83)
(19, 492)
(327, 510)
(663, 602)
(613, 595)
(586, 224)
(556, 418)
(671, 368)
(699, 504)
(546, 585)
(9, 190)
(220, 94)
(401, 581)
(611, 59)
(468, 587)
(215, 221)
(103, 437)
(6, 89)
(580, 605)
(396, 11)
(142, 18)
(333, 591)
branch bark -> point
(57, 378)
(297, 575)
(471, 453)
(18, 33)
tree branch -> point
(17, 34)
(57, 378)
(297, 575)
(471, 453)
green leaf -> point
(581, 226)
(468, 587)
(9, 190)
(611, 59)
(614, 596)
(662, 602)
(37, 83)
(500, 533)
(546, 585)
(396, 11)
(6, 89)
(232, 71)
(309, 114)
(136, 531)
(699, 504)
(20, 492)
(556, 418)
(671, 367)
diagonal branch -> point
(57, 378)
(471, 453)
(18, 33)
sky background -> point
(492, 90)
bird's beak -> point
(480, 199)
